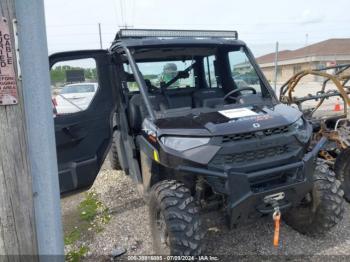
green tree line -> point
(58, 74)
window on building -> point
(279, 72)
(296, 69)
(320, 66)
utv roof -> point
(154, 37)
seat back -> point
(180, 97)
(201, 95)
(138, 111)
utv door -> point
(83, 96)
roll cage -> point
(335, 128)
(339, 79)
(126, 43)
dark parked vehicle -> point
(195, 139)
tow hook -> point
(274, 197)
(276, 215)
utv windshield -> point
(198, 78)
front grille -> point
(243, 157)
(250, 135)
(263, 183)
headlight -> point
(299, 124)
(183, 143)
(302, 134)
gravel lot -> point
(129, 229)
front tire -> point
(342, 171)
(322, 209)
(175, 221)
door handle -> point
(73, 134)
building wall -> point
(286, 71)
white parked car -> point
(74, 97)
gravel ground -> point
(129, 228)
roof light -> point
(140, 33)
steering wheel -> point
(229, 94)
(151, 88)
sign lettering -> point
(8, 83)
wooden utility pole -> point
(17, 225)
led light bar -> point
(158, 33)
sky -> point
(73, 24)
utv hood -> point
(229, 121)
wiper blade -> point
(179, 75)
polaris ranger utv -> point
(195, 123)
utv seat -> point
(138, 111)
(180, 97)
(208, 97)
(331, 121)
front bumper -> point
(246, 191)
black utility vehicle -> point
(195, 124)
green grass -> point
(72, 236)
(77, 255)
(89, 207)
(93, 215)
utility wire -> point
(122, 11)
(133, 13)
(217, 25)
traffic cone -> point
(337, 106)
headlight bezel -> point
(183, 143)
(299, 124)
(303, 133)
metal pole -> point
(276, 66)
(140, 81)
(208, 68)
(33, 54)
(306, 39)
(100, 34)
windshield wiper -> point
(180, 74)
